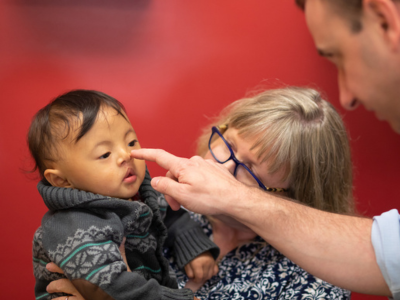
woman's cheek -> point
(209, 156)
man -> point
(362, 38)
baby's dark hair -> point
(54, 122)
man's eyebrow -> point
(324, 53)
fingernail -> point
(156, 180)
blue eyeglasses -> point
(222, 152)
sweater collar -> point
(57, 198)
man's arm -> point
(333, 247)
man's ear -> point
(387, 14)
(56, 178)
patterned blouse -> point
(257, 271)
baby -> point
(100, 198)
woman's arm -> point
(333, 247)
(61, 285)
(64, 285)
(98, 269)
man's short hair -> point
(350, 9)
(352, 5)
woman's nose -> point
(230, 165)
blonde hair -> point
(298, 132)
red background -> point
(172, 63)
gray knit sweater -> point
(82, 232)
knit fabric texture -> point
(82, 232)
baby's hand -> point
(202, 268)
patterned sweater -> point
(82, 232)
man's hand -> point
(199, 185)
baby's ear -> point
(56, 178)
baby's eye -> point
(133, 143)
(105, 155)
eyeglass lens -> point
(222, 154)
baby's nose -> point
(125, 156)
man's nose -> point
(347, 99)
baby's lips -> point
(129, 173)
(130, 176)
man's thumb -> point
(163, 185)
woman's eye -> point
(229, 145)
(232, 146)
(105, 155)
(133, 143)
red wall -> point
(172, 63)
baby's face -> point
(100, 161)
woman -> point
(288, 141)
